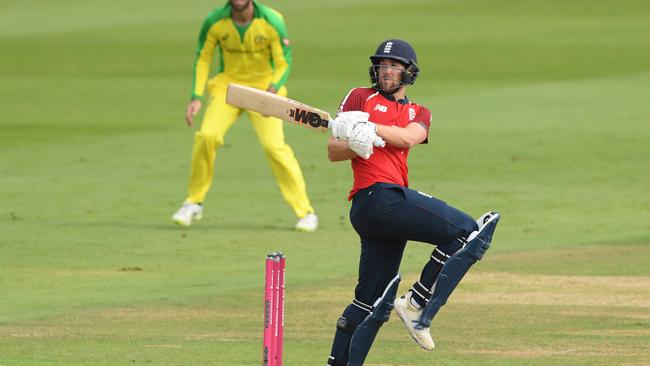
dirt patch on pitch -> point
(547, 352)
(522, 289)
(612, 332)
(522, 353)
(480, 287)
(32, 332)
(633, 315)
(163, 346)
(125, 321)
(162, 314)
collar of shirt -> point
(390, 97)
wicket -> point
(273, 309)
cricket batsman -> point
(386, 213)
(254, 50)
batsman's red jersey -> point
(387, 164)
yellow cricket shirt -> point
(258, 54)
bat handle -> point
(378, 142)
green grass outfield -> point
(541, 110)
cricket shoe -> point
(308, 223)
(410, 316)
(189, 211)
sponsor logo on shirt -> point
(243, 51)
(381, 108)
(260, 39)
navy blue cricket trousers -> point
(386, 216)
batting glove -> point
(361, 139)
(344, 121)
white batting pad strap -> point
(362, 306)
(418, 292)
(422, 287)
(439, 256)
(421, 291)
(441, 253)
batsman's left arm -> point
(403, 137)
(415, 132)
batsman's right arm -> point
(339, 151)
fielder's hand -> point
(361, 139)
(342, 127)
(192, 109)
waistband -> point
(375, 187)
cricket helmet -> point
(399, 50)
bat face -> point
(290, 110)
(270, 104)
(304, 116)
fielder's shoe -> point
(188, 212)
(410, 316)
(308, 223)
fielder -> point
(386, 213)
(254, 51)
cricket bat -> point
(270, 104)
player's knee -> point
(467, 225)
(208, 139)
(273, 147)
(352, 316)
(463, 226)
(346, 325)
